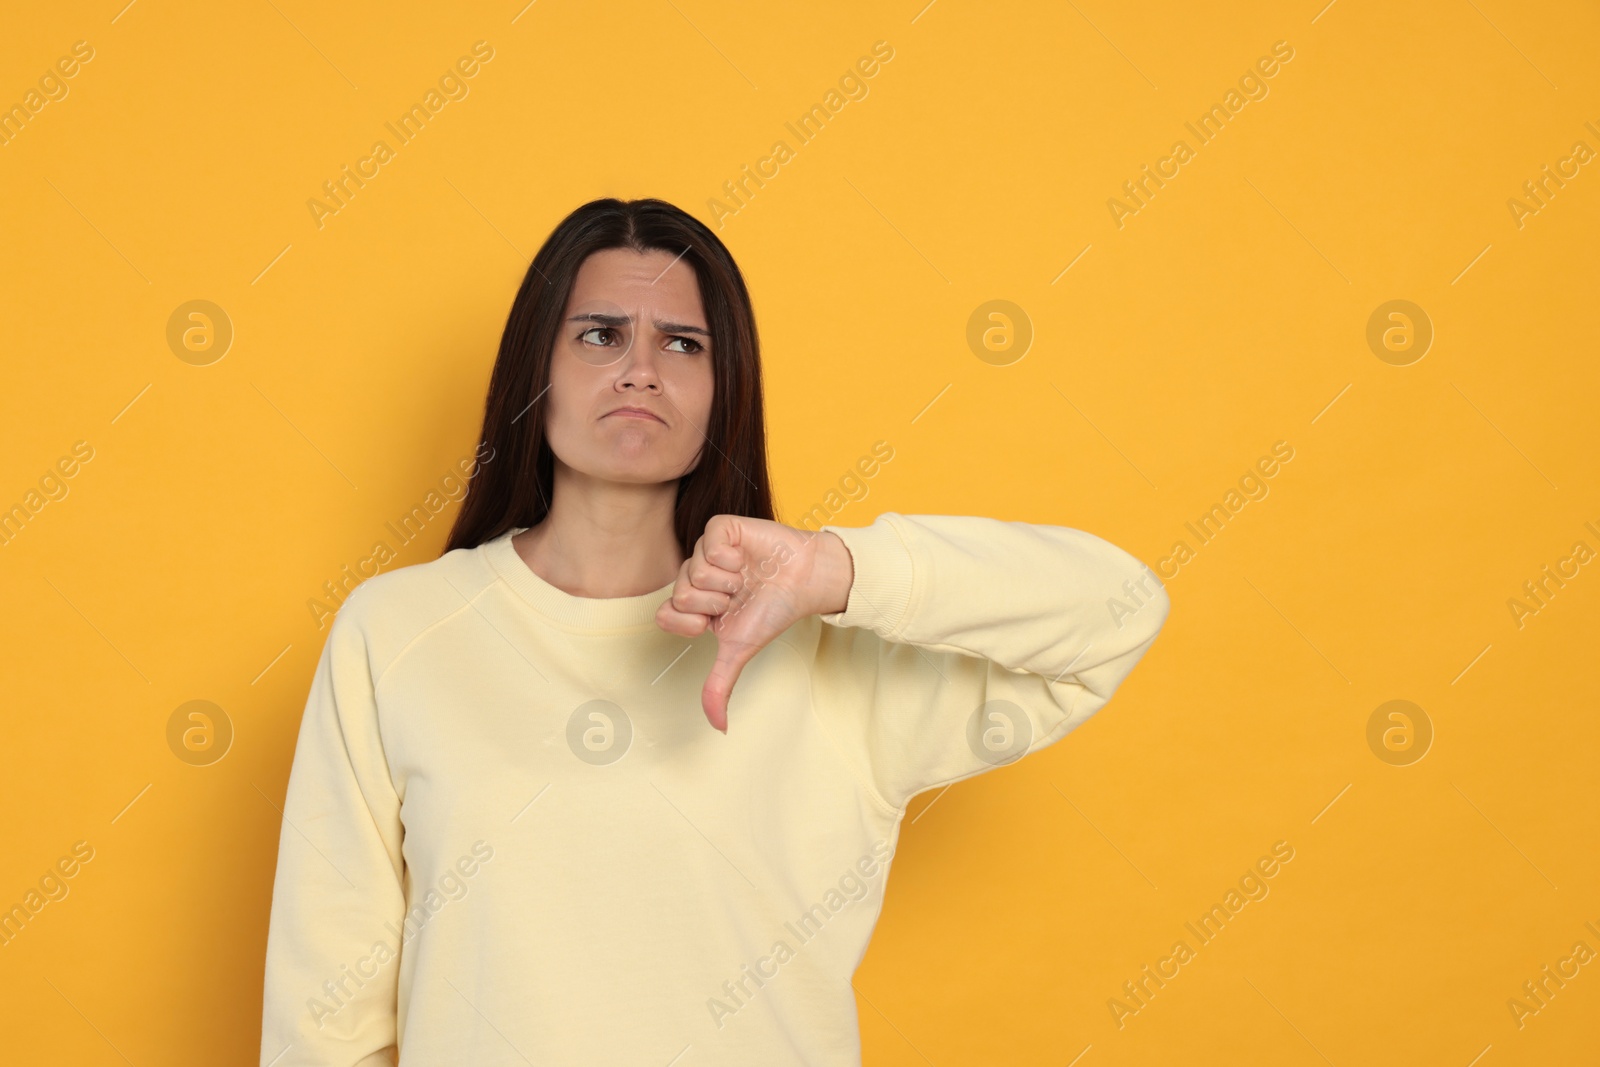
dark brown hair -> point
(513, 486)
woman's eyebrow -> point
(623, 320)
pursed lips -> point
(636, 413)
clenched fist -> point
(749, 580)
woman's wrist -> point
(833, 573)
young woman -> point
(617, 778)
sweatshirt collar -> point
(586, 613)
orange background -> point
(1229, 313)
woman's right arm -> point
(994, 639)
(338, 900)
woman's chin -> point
(638, 470)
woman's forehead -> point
(640, 285)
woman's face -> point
(634, 335)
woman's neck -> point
(605, 539)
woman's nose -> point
(638, 367)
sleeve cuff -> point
(880, 593)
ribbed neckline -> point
(578, 612)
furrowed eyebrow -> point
(623, 320)
(678, 327)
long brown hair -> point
(513, 486)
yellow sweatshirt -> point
(511, 837)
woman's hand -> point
(749, 580)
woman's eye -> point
(584, 336)
(688, 341)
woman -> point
(511, 837)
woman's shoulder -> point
(403, 600)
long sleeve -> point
(330, 995)
(968, 642)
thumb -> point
(731, 659)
